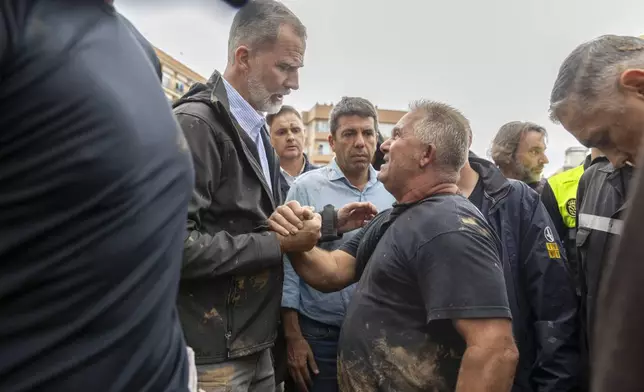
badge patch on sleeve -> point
(553, 250)
(571, 207)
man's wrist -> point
(329, 228)
(291, 324)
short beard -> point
(525, 174)
(260, 98)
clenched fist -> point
(305, 238)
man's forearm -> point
(321, 270)
(291, 324)
(487, 370)
(207, 255)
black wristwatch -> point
(329, 229)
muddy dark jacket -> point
(231, 283)
(541, 292)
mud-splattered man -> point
(430, 312)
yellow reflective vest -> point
(564, 187)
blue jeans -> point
(323, 340)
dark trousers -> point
(323, 340)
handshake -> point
(298, 227)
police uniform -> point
(559, 196)
(601, 202)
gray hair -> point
(258, 23)
(507, 140)
(352, 106)
(593, 69)
(448, 130)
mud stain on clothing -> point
(260, 280)
(392, 367)
(212, 314)
(218, 379)
(469, 223)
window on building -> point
(323, 148)
(321, 126)
(180, 87)
(166, 79)
(182, 78)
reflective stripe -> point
(601, 223)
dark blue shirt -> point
(95, 180)
(429, 263)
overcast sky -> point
(495, 60)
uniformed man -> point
(599, 98)
(559, 196)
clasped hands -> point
(298, 227)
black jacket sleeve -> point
(550, 202)
(553, 301)
(213, 254)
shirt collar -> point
(337, 174)
(301, 169)
(248, 118)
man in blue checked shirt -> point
(312, 319)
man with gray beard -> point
(519, 150)
(231, 281)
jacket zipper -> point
(495, 201)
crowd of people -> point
(196, 248)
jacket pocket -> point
(204, 326)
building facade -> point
(316, 121)
(177, 78)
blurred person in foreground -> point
(430, 311)
(96, 178)
(598, 97)
(519, 150)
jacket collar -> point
(307, 164)
(219, 98)
(219, 93)
(494, 183)
(588, 162)
(247, 117)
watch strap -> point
(329, 231)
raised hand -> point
(355, 215)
